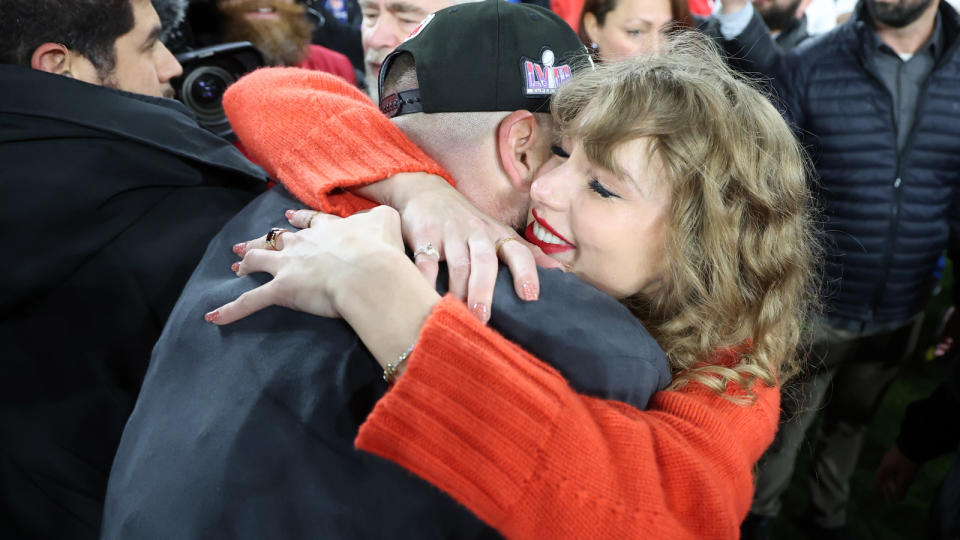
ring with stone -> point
(427, 249)
(274, 235)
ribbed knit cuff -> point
(354, 148)
(435, 420)
(319, 135)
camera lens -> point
(202, 91)
(208, 89)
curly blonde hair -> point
(740, 244)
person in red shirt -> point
(695, 215)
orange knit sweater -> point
(475, 415)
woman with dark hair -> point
(625, 28)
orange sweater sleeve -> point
(319, 136)
(505, 435)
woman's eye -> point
(598, 188)
(558, 151)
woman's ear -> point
(53, 58)
(520, 148)
(591, 26)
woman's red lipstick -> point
(547, 248)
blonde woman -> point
(678, 189)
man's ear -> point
(53, 58)
(520, 147)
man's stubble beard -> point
(283, 41)
(777, 18)
(898, 14)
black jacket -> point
(109, 200)
(246, 431)
(887, 217)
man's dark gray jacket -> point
(246, 431)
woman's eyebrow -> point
(645, 23)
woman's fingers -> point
(457, 252)
(520, 260)
(304, 219)
(427, 258)
(246, 304)
(483, 275)
(258, 260)
(273, 240)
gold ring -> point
(499, 245)
(309, 221)
(274, 235)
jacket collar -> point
(158, 122)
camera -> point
(207, 72)
(209, 66)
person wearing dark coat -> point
(875, 102)
(930, 428)
(111, 198)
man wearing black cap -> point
(247, 430)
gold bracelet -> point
(392, 370)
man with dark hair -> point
(785, 19)
(121, 190)
(876, 101)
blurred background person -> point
(929, 429)
(786, 20)
(624, 28)
(282, 31)
(875, 101)
(386, 23)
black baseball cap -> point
(486, 56)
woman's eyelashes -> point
(559, 151)
(598, 188)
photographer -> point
(115, 192)
(280, 29)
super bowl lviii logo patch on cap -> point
(484, 56)
(543, 77)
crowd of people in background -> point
(738, 209)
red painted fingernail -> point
(235, 266)
(530, 291)
(289, 213)
(240, 248)
(213, 316)
(481, 311)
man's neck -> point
(909, 39)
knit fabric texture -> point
(504, 434)
(319, 136)
(494, 427)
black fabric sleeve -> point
(931, 426)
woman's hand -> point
(317, 268)
(434, 214)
